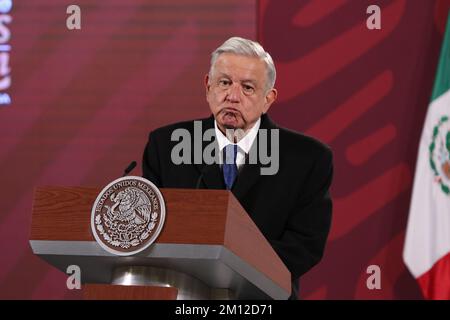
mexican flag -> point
(427, 244)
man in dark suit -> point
(287, 197)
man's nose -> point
(234, 93)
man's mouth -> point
(230, 110)
(230, 117)
(230, 114)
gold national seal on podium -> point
(128, 215)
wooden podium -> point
(209, 248)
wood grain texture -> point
(63, 213)
(192, 216)
(116, 292)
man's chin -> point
(231, 124)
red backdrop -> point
(365, 93)
(83, 102)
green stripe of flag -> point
(442, 81)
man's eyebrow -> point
(223, 75)
(250, 80)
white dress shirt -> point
(244, 144)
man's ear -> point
(207, 85)
(271, 96)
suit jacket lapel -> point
(212, 177)
(247, 177)
(251, 173)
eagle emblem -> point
(439, 150)
(127, 215)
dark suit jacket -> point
(291, 208)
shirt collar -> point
(244, 144)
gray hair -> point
(245, 47)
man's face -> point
(236, 92)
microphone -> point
(130, 168)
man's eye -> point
(224, 83)
(248, 88)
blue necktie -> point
(229, 165)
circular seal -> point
(128, 215)
(439, 149)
